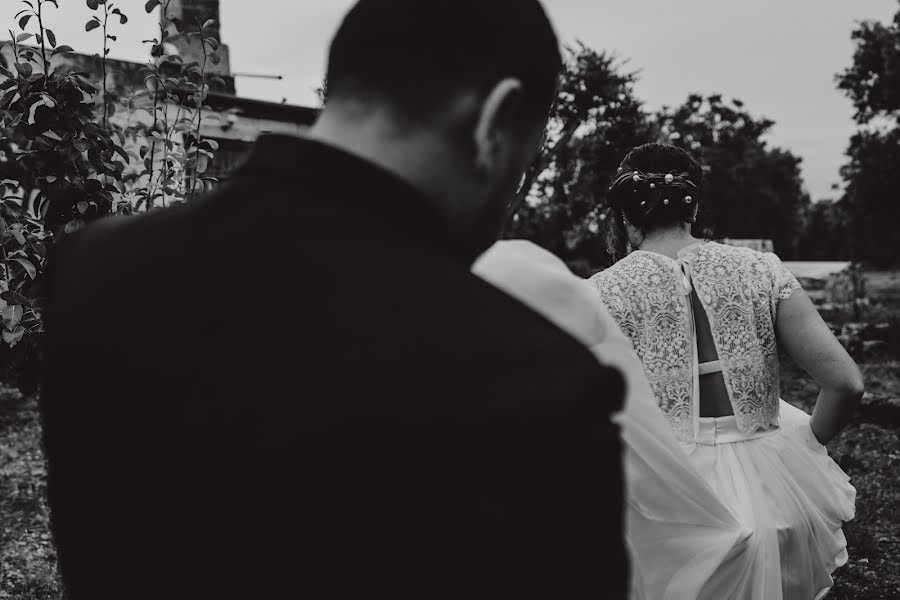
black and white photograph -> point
(420, 299)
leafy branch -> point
(65, 156)
(96, 22)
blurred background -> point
(115, 108)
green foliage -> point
(825, 234)
(171, 150)
(872, 82)
(751, 191)
(872, 178)
(109, 10)
(595, 120)
(66, 159)
(871, 175)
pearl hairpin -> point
(669, 178)
(688, 199)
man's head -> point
(456, 92)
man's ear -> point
(496, 115)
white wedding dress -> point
(687, 538)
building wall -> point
(194, 11)
(193, 14)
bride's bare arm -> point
(808, 340)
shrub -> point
(65, 160)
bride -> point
(731, 493)
(682, 539)
(707, 321)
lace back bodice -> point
(739, 289)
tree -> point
(751, 191)
(57, 168)
(594, 122)
(872, 178)
(826, 233)
(872, 82)
(872, 175)
(64, 161)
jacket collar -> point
(327, 174)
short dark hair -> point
(417, 55)
(657, 185)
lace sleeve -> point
(614, 302)
(784, 281)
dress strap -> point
(684, 273)
(684, 270)
(713, 366)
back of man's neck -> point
(417, 156)
(372, 139)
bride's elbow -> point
(853, 387)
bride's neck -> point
(668, 241)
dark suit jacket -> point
(296, 384)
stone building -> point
(194, 14)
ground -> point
(868, 450)
(27, 558)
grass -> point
(883, 285)
(868, 450)
(27, 558)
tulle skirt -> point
(783, 487)
(732, 517)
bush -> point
(65, 160)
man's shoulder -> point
(498, 324)
(457, 307)
(108, 242)
(506, 352)
(120, 259)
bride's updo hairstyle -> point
(656, 186)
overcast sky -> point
(779, 56)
